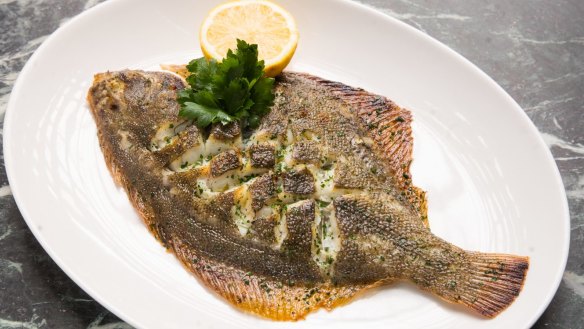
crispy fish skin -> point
(339, 198)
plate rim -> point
(370, 10)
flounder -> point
(310, 209)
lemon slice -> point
(261, 22)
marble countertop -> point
(533, 48)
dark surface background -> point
(533, 48)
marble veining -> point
(575, 282)
(33, 323)
(5, 191)
(533, 49)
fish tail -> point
(489, 283)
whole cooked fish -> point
(308, 210)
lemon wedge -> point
(259, 22)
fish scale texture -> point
(312, 208)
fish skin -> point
(364, 140)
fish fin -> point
(491, 284)
(389, 125)
(179, 69)
(266, 297)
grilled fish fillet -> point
(307, 211)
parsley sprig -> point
(231, 90)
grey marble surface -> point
(533, 48)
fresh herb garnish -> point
(231, 90)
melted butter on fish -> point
(325, 234)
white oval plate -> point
(492, 184)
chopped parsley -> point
(247, 178)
